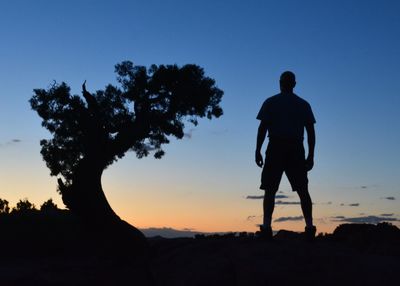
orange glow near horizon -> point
(168, 200)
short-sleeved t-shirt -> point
(286, 115)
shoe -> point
(265, 233)
(309, 233)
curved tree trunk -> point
(85, 198)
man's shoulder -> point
(301, 100)
(272, 99)
(305, 108)
(267, 107)
(275, 97)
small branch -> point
(90, 99)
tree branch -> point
(129, 134)
(90, 99)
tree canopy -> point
(140, 114)
(24, 206)
(4, 208)
(48, 206)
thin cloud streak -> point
(364, 219)
(11, 142)
(251, 197)
(354, 205)
(253, 217)
(350, 205)
(254, 197)
(288, 218)
(387, 214)
(279, 202)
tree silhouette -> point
(48, 206)
(4, 208)
(24, 206)
(141, 114)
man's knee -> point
(270, 193)
(303, 193)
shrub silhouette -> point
(24, 206)
(148, 108)
(367, 233)
(4, 208)
(48, 206)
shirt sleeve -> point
(263, 113)
(309, 115)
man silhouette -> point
(284, 116)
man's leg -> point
(306, 206)
(270, 179)
(268, 206)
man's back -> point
(286, 115)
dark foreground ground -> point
(353, 255)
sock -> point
(309, 222)
(267, 221)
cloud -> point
(387, 214)
(326, 203)
(189, 134)
(367, 187)
(281, 197)
(253, 217)
(339, 217)
(390, 198)
(279, 202)
(10, 142)
(288, 218)
(364, 219)
(250, 197)
(354, 205)
(350, 205)
(254, 197)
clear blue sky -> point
(346, 58)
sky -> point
(345, 55)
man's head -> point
(287, 81)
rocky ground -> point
(352, 255)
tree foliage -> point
(140, 114)
(48, 205)
(4, 208)
(24, 206)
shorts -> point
(288, 157)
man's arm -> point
(311, 146)
(261, 133)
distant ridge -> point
(167, 232)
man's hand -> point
(259, 159)
(261, 132)
(309, 163)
